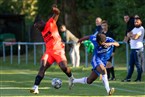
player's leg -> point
(41, 73)
(38, 78)
(99, 68)
(87, 80)
(43, 67)
(62, 61)
(67, 71)
(112, 72)
(102, 70)
(94, 75)
(65, 68)
(108, 69)
(60, 58)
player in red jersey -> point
(54, 49)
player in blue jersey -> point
(102, 52)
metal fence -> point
(34, 44)
(20, 44)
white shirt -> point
(137, 43)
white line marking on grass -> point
(121, 89)
(22, 88)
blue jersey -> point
(100, 53)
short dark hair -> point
(104, 21)
(137, 18)
(101, 37)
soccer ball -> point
(56, 83)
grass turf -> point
(16, 80)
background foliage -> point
(78, 15)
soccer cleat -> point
(112, 79)
(70, 83)
(34, 90)
(137, 80)
(112, 90)
(126, 80)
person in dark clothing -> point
(109, 66)
(98, 25)
(129, 20)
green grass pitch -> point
(16, 80)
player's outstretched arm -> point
(115, 44)
(56, 12)
(84, 38)
(111, 43)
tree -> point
(78, 15)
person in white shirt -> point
(137, 51)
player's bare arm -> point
(110, 44)
(56, 12)
(115, 44)
(84, 38)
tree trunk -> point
(70, 19)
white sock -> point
(36, 86)
(80, 80)
(105, 82)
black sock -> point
(112, 72)
(108, 72)
(38, 80)
(69, 74)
